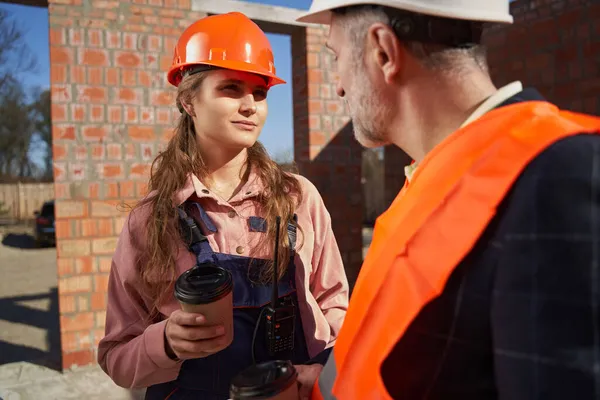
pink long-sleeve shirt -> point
(132, 352)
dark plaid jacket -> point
(520, 316)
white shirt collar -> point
(501, 95)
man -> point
(483, 277)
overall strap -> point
(194, 238)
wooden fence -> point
(20, 200)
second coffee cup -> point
(207, 289)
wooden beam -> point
(32, 3)
(254, 11)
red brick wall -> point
(112, 110)
(553, 46)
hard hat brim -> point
(233, 65)
(322, 15)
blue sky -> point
(277, 134)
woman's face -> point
(229, 110)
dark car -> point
(44, 225)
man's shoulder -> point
(572, 155)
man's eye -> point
(231, 87)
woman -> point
(215, 169)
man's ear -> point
(386, 50)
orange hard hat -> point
(232, 41)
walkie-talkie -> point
(280, 318)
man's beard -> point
(370, 115)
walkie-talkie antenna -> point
(275, 261)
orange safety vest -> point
(428, 230)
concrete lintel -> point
(258, 12)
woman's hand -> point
(307, 375)
(187, 336)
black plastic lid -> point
(263, 380)
(204, 283)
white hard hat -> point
(471, 10)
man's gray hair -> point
(435, 57)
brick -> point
(97, 152)
(98, 301)
(66, 304)
(128, 77)
(163, 116)
(95, 76)
(58, 73)
(162, 98)
(73, 248)
(102, 209)
(112, 76)
(110, 170)
(78, 112)
(141, 133)
(95, 38)
(111, 191)
(91, 94)
(101, 283)
(105, 225)
(59, 112)
(113, 39)
(76, 37)
(115, 114)
(94, 132)
(127, 96)
(130, 41)
(126, 189)
(147, 115)
(57, 36)
(104, 245)
(60, 93)
(114, 151)
(61, 55)
(63, 229)
(83, 303)
(127, 59)
(84, 265)
(147, 152)
(75, 284)
(69, 341)
(71, 209)
(78, 74)
(77, 358)
(96, 113)
(81, 152)
(104, 263)
(100, 318)
(96, 57)
(77, 171)
(131, 115)
(139, 171)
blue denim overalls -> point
(209, 378)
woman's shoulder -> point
(310, 193)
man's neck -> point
(435, 108)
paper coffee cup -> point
(273, 380)
(207, 289)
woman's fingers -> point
(198, 348)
